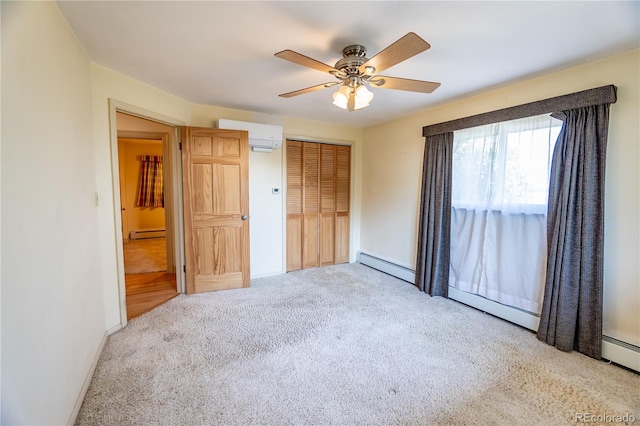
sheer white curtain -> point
(500, 186)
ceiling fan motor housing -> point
(353, 57)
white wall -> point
(52, 304)
(392, 162)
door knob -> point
(244, 217)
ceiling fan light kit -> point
(341, 97)
(358, 92)
(355, 71)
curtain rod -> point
(596, 96)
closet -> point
(318, 178)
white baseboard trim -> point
(616, 351)
(87, 382)
(114, 329)
(267, 274)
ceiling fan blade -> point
(305, 61)
(404, 84)
(408, 46)
(308, 89)
(351, 103)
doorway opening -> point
(147, 207)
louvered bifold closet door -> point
(343, 178)
(327, 204)
(317, 204)
(310, 204)
(294, 205)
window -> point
(500, 186)
(504, 166)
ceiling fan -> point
(355, 71)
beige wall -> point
(53, 319)
(392, 162)
(129, 152)
(58, 198)
(106, 85)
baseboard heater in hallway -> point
(141, 234)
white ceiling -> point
(221, 53)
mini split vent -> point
(262, 137)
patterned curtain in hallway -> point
(150, 184)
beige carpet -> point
(148, 255)
(342, 345)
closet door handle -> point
(244, 217)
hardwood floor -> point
(146, 291)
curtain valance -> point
(591, 97)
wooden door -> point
(216, 208)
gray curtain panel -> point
(434, 233)
(571, 315)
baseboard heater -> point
(615, 350)
(387, 267)
(141, 234)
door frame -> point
(175, 162)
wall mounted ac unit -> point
(262, 137)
